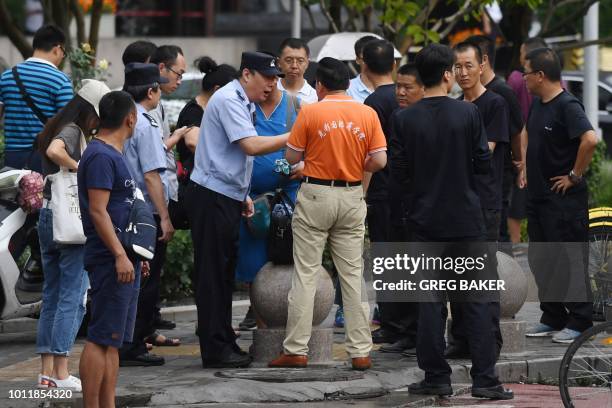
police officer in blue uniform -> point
(146, 158)
(220, 185)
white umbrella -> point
(339, 45)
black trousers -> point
(148, 298)
(558, 220)
(383, 226)
(215, 227)
(480, 336)
(458, 329)
(508, 180)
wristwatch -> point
(574, 178)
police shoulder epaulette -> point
(151, 119)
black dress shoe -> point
(232, 360)
(424, 388)
(497, 392)
(399, 346)
(384, 336)
(164, 324)
(457, 352)
(142, 360)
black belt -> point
(331, 183)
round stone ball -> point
(271, 288)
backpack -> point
(140, 235)
(280, 236)
(30, 196)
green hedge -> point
(178, 270)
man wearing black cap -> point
(146, 158)
(220, 184)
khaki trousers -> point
(336, 214)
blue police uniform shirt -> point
(358, 90)
(145, 152)
(220, 163)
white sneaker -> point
(70, 383)
(43, 381)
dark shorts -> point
(113, 306)
(518, 203)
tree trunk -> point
(77, 12)
(14, 33)
(515, 25)
(94, 27)
(335, 11)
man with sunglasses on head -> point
(31, 93)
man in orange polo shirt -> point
(339, 139)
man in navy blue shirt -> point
(105, 190)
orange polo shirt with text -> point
(336, 135)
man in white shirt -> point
(293, 61)
(361, 87)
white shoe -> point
(70, 383)
(43, 381)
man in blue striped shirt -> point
(48, 88)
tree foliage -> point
(414, 22)
(58, 12)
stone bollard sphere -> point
(271, 287)
(513, 298)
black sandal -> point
(168, 342)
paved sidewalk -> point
(182, 382)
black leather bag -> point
(280, 237)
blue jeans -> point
(63, 299)
(21, 158)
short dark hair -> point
(215, 75)
(114, 108)
(295, 43)
(360, 43)
(379, 56)
(410, 69)
(138, 51)
(547, 61)
(464, 46)
(433, 61)
(333, 74)
(166, 54)
(140, 92)
(486, 45)
(532, 43)
(48, 37)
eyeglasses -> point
(178, 76)
(63, 49)
(529, 73)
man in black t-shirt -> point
(515, 130)
(398, 321)
(494, 112)
(438, 146)
(561, 146)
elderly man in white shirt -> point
(293, 62)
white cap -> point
(92, 91)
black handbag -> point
(280, 237)
(140, 235)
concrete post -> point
(591, 67)
(296, 22)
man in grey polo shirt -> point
(219, 185)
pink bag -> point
(31, 192)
